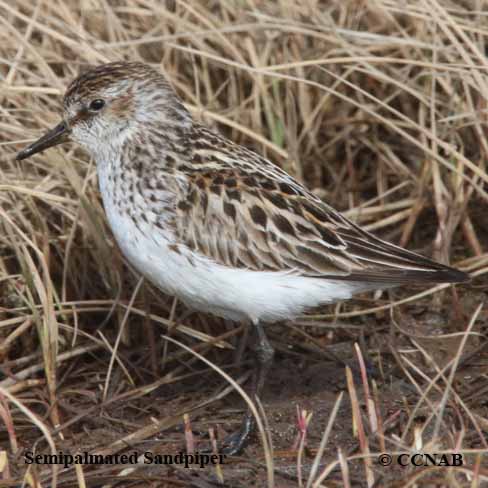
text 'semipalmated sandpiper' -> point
(214, 223)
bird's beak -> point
(55, 136)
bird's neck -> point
(146, 146)
(144, 167)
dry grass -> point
(380, 107)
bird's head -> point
(110, 103)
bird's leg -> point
(264, 359)
(264, 354)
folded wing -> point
(265, 220)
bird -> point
(214, 223)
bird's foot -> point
(234, 443)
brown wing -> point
(255, 216)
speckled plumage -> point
(214, 223)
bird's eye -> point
(96, 105)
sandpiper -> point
(216, 224)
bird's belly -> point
(178, 272)
(236, 294)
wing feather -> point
(255, 216)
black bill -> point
(55, 136)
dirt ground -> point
(308, 374)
